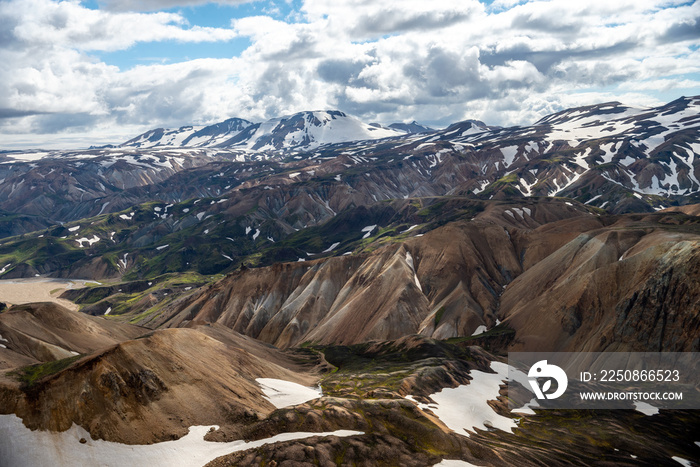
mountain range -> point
(383, 264)
(303, 130)
(618, 158)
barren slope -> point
(46, 331)
(547, 268)
(151, 389)
(443, 284)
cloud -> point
(663, 84)
(154, 5)
(45, 23)
(371, 19)
(436, 62)
(46, 69)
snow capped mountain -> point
(413, 127)
(610, 156)
(162, 137)
(606, 154)
(303, 130)
(214, 135)
(190, 136)
(308, 130)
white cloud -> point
(436, 62)
(663, 85)
(153, 5)
(46, 23)
(366, 19)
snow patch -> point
(287, 393)
(645, 408)
(162, 247)
(26, 448)
(509, 153)
(454, 463)
(90, 241)
(592, 199)
(368, 229)
(73, 229)
(480, 330)
(104, 205)
(682, 461)
(331, 248)
(465, 407)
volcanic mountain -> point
(153, 388)
(611, 156)
(388, 267)
(602, 282)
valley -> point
(154, 287)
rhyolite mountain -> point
(154, 387)
(610, 156)
(601, 283)
(377, 263)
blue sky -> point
(78, 73)
(170, 51)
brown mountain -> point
(152, 389)
(599, 282)
(42, 332)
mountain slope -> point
(152, 389)
(47, 331)
(512, 263)
(605, 155)
(189, 136)
(610, 156)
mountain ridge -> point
(301, 130)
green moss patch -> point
(31, 375)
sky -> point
(80, 73)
